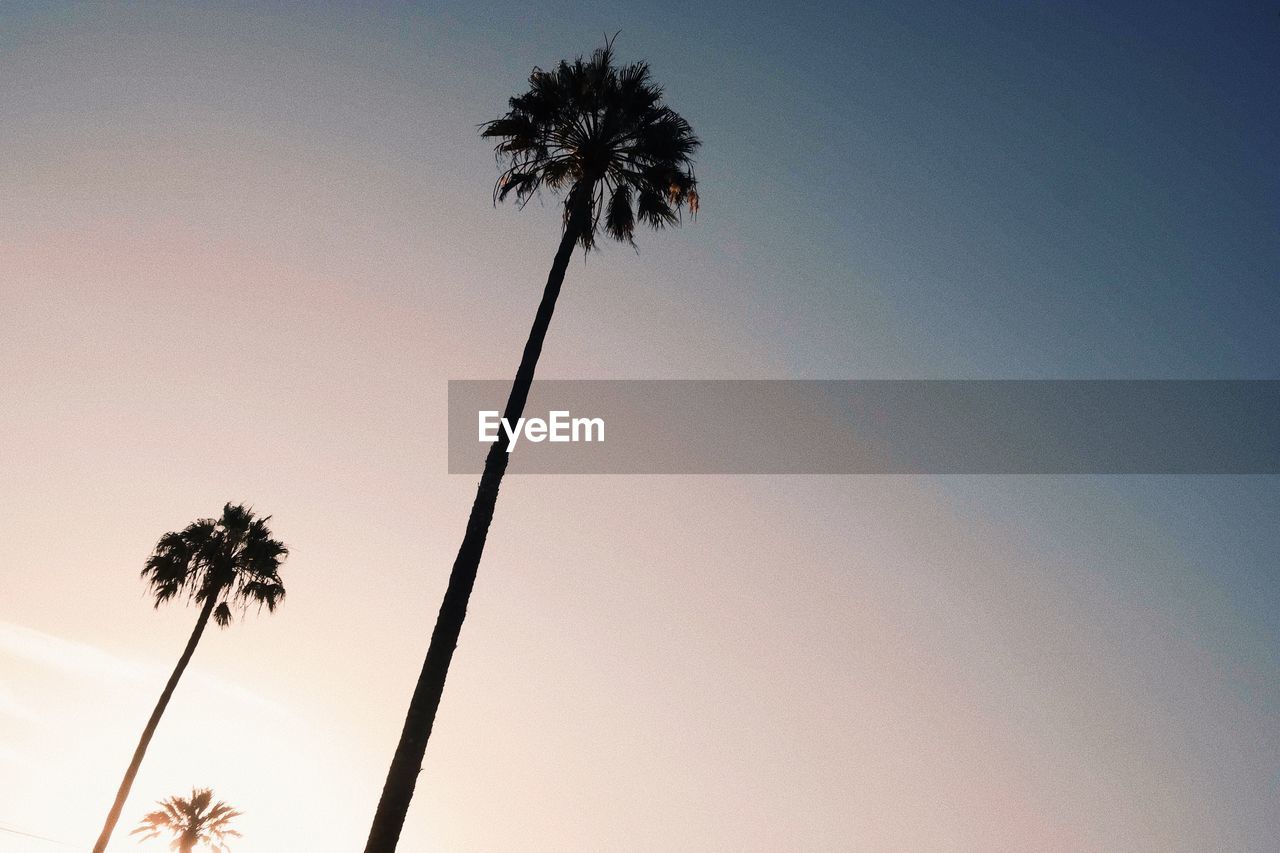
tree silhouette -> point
(198, 820)
(601, 136)
(221, 563)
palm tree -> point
(219, 564)
(198, 820)
(601, 136)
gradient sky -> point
(243, 248)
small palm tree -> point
(197, 820)
(220, 564)
(600, 135)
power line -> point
(12, 831)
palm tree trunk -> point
(384, 834)
(165, 695)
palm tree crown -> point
(232, 559)
(191, 821)
(601, 135)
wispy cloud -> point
(66, 656)
(11, 707)
(72, 657)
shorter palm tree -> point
(221, 564)
(191, 821)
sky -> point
(243, 248)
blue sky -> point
(1027, 189)
(1011, 189)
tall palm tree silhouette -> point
(217, 563)
(600, 135)
(191, 821)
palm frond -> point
(191, 820)
(600, 135)
(233, 560)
